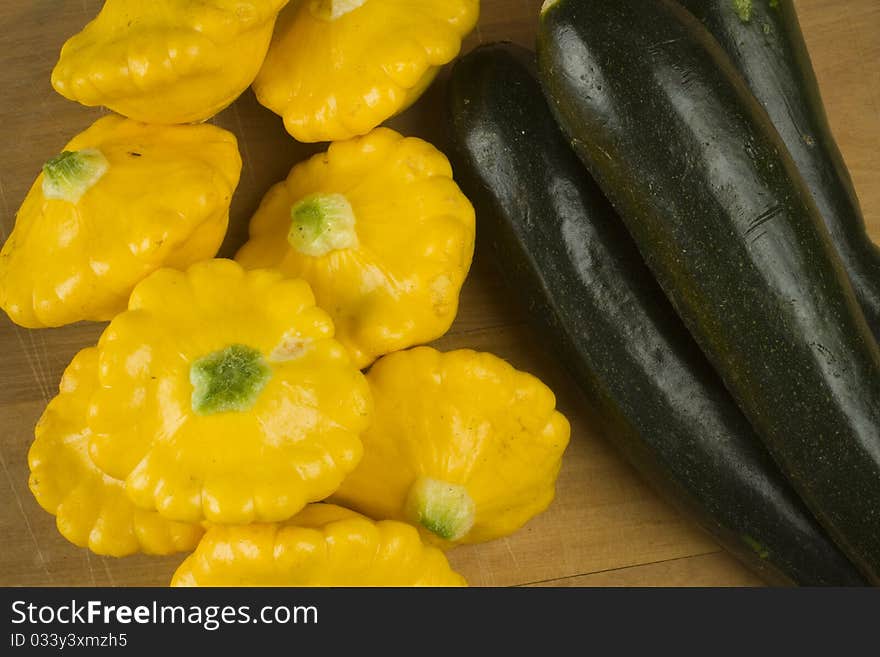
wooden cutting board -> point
(605, 526)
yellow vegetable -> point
(338, 68)
(91, 508)
(122, 200)
(223, 396)
(462, 445)
(380, 231)
(325, 545)
(167, 61)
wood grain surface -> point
(605, 528)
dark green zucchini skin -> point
(769, 50)
(695, 168)
(567, 256)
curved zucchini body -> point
(767, 47)
(718, 210)
(568, 257)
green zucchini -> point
(698, 173)
(764, 40)
(567, 256)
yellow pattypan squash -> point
(324, 545)
(380, 231)
(461, 444)
(122, 200)
(338, 68)
(91, 508)
(167, 61)
(223, 396)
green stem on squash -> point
(330, 10)
(322, 223)
(229, 379)
(743, 9)
(445, 509)
(547, 4)
(71, 174)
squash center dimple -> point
(322, 223)
(444, 509)
(71, 174)
(330, 10)
(229, 379)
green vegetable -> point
(771, 54)
(707, 189)
(567, 256)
